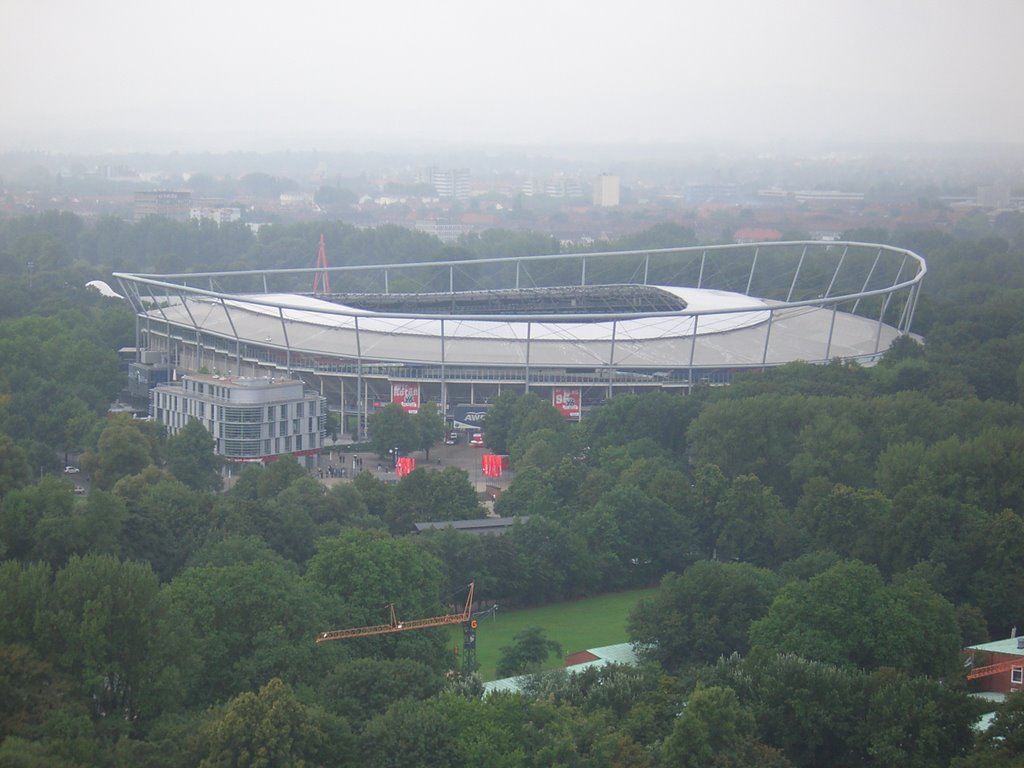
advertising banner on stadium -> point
(567, 402)
(469, 416)
(406, 394)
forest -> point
(824, 541)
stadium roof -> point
(820, 301)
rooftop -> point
(1012, 646)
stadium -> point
(575, 328)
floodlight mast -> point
(394, 625)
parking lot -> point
(462, 455)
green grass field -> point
(576, 625)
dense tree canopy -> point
(808, 527)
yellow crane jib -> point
(394, 625)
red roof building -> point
(996, 667)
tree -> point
(703, 614)
(428, 424)
(191, 458)
(654, 537)
(915, 721)
(263, 483)
(273, 728)
(360, 571)
(123, 449)
(392, 427)
(24, 534)
(410, 502)
(107, 626)
(514, 416)
(166, 522)
(411, 734)
(849, 616)
(360, 689)
(529, 650)
(250, 622)
(745, 516)
(452, 496)
(997, 575)
(30, 689)
(15, 471)
(712, 728)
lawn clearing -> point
(575, 625)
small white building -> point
(252, 419)
(216, 214)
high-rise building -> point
(447, 182)
(606, 190)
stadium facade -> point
(577, 328)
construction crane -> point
(394, 625)
(994, 669)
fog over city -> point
(111, 75)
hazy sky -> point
(84, 75)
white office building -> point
(252, 419)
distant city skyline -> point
(225, 75)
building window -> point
(299, 410)
(1017, 675)
(282, 428)
(298, 442)
(270, 413)
(284, 411)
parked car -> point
(451, 438)
(477, 439)
(71, 470)
(79, 490)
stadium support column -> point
(360, 424)
(444, 383)
(238, 341)
(767, 338)
(693, 351)
(287, 343)
(835, 275)
(867, 280)
(796, 274)
(529, 334)
(753, 266)
(611, 360)
(831, 328)
(912, 305)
